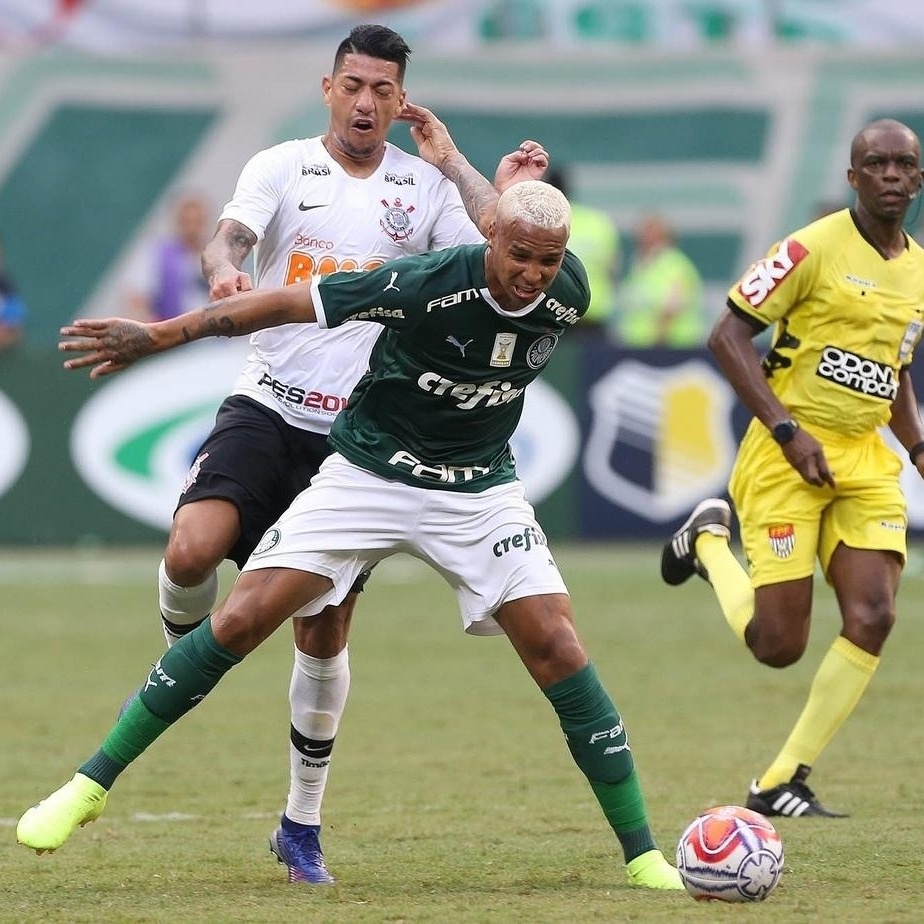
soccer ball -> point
(730, 854)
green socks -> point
(599, 745)
(183, 677)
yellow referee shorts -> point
(787, 523)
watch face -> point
(785, 431)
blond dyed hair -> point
(535, 203)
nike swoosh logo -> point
(304, 208)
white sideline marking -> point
(167, 816)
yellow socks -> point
(729, 580)
(841, 679)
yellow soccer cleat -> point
(651, 871)
(46, 826)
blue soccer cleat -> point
(301, 853)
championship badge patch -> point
(502, 354)
(782, 539)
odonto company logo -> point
(546, 442)
(661, 438)
(14, 443)
(134, 441)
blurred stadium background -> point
(731, 117)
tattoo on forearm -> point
(232, 243)
(215, 323)
(478, 195)
(240, 243)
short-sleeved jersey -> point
(444, 391)
(848, 320)
(312, 218)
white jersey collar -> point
(506, 312)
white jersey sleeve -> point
(260, 188)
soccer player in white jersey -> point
(345, 200)
(422, 465)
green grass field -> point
(452, 796)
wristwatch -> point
(785, 431)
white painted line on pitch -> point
(167, 816)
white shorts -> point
(488, 546)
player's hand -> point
(528, 162)
(434, 143)
(225, 282)
(108, 344)
(805, 454)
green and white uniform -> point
(423, 462)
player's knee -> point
(242, 623)
(773, 649)
(869, 626)
(325, 635)
(187, 562)
(558, 653)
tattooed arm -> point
(436, 146)
(112, 344)
(223, 257)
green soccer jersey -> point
(444, 390)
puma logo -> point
(461, 346)
(391, 283)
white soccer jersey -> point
(312, 218)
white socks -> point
(317, 697)
(184, 606)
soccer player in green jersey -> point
(814, 479)
(422, 464)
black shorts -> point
(258, 462)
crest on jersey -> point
(661, 438)
(396, 221)
(193, 473)
(269, 541)
(315, 170)
(540, 350)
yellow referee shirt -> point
(847, 319)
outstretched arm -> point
(436, 146)
(112, 344)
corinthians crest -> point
(396, 222)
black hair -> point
(557, 177)
(376, 42)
